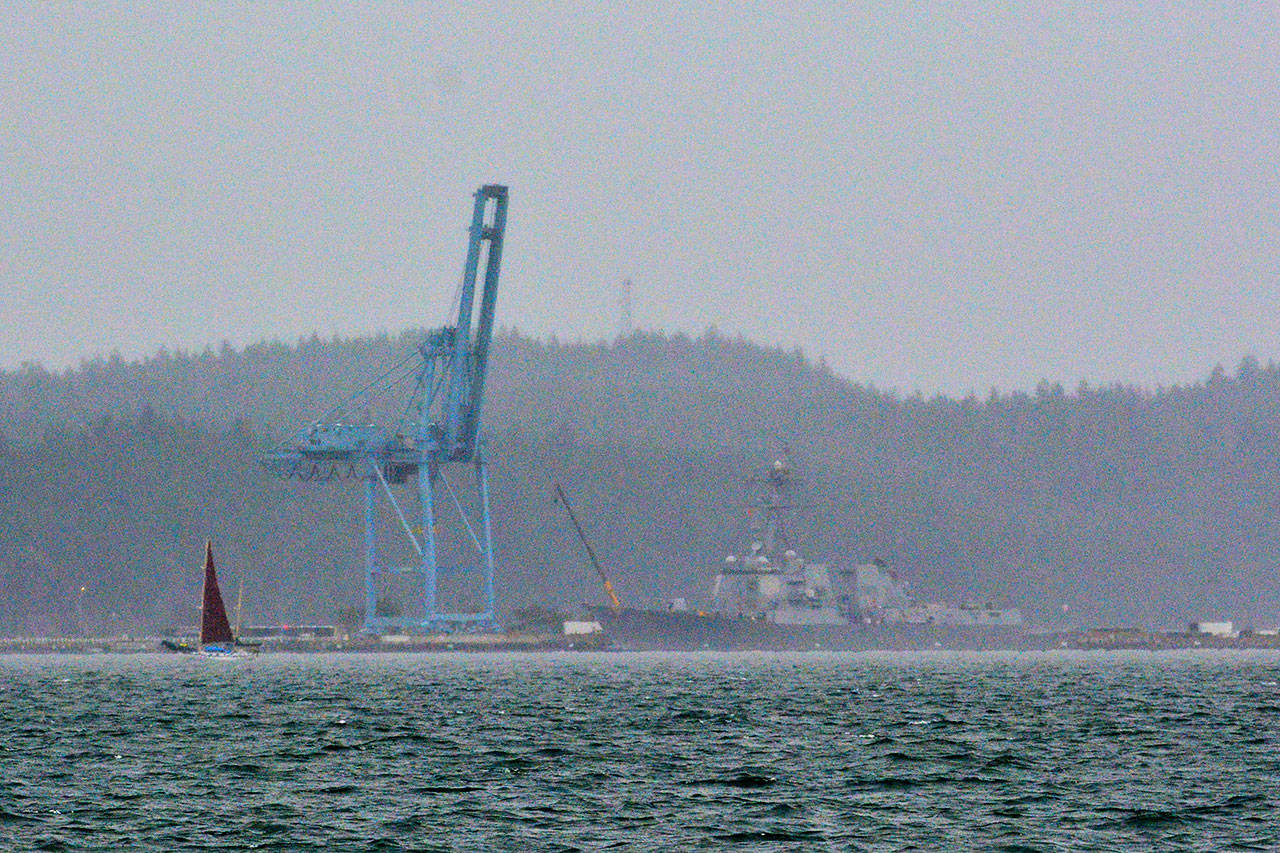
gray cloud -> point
(930, 199)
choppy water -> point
(1048, 751)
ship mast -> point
(771, 531)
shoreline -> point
(1099, 639)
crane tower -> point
(443, 435)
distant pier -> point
(358, 643)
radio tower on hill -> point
(625, 324)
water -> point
(808, 751)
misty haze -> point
(875, 443)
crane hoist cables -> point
(342, 404)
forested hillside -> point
(1125, 505)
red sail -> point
(214, 627)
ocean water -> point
(561, 752)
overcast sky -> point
(942, 199)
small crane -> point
(614, 604)
(446, 402)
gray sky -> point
(932, 198)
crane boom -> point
(470, 346)
(493, 235)
(614, 604)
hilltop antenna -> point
(626, 324)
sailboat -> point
(216, 638)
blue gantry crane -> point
(441, 434)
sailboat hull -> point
(222, 652)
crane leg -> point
(430, 569)
(482, 482)
(370, 555)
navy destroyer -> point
(772, 598)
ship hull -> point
(638, 629)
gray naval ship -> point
(772, 598)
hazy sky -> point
(942, 198)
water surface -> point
(804, 751)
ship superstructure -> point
(773, 581)
(772, 597)
(883, 598)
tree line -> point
(1094, 505)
